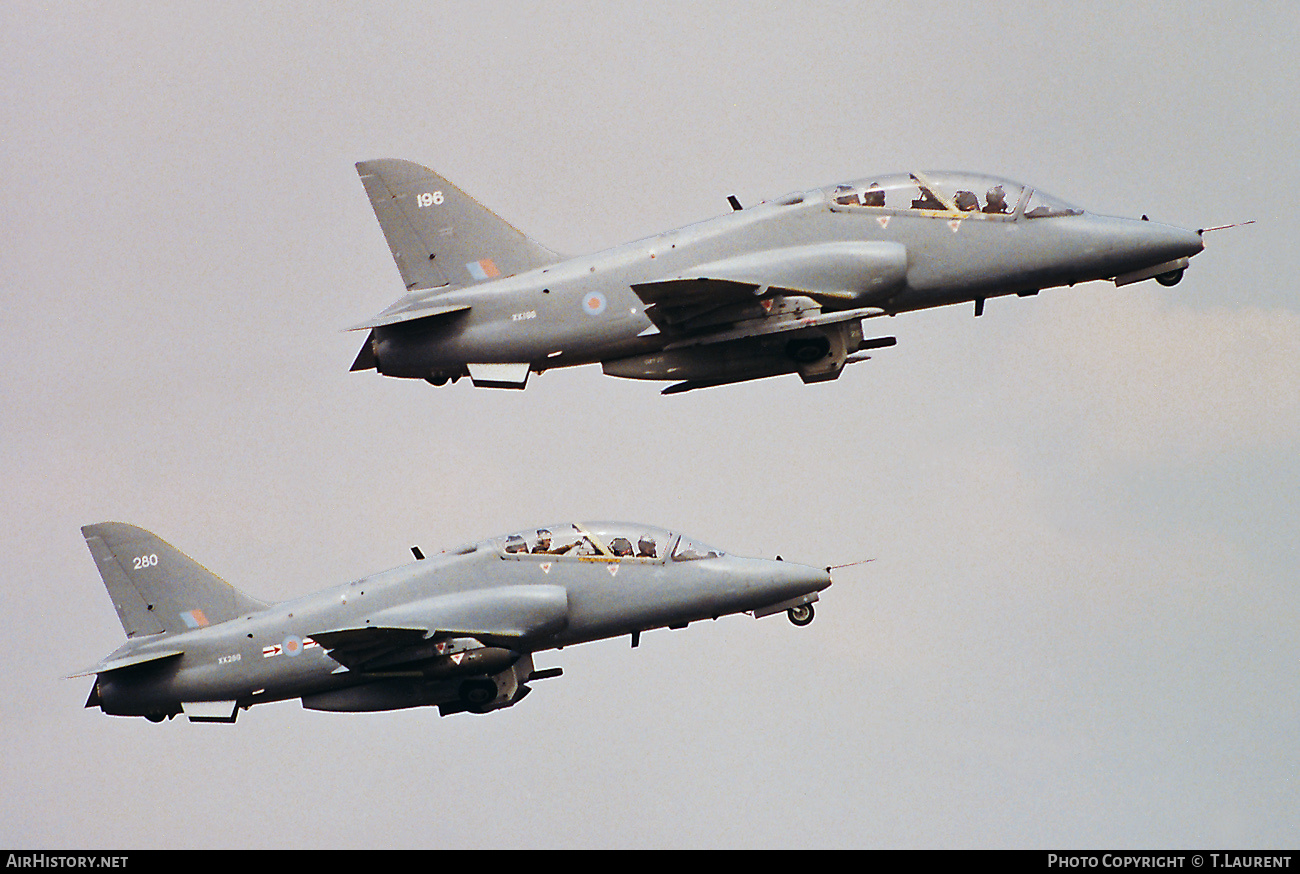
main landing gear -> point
(478, 693)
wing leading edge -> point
(509, 617)
(776, 290)
(792, 310)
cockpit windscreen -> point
(949, 194)
(598, 541)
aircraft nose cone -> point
(1167, 242)
(1191, 242)
(798, 579)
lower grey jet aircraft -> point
(782, 287)
(457, 630)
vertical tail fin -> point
(156, 588)
(438, 234)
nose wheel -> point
(801, 615)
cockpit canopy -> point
(603, 541)
(948, 194)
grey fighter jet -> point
(457, 630)
(782, 287)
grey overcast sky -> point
(1081, 627)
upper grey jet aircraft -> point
(779, 288)
(457, 630)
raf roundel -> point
(594, 303)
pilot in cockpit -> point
(845, 195)
(645, 547)
(874, 195)
(543, 544)
(997, 201)
(966, 201)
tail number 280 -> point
(143, 561)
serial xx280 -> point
(457, 630)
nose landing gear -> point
(801, 615)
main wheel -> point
(801, 615)
(808, 350)
(1173, 277)
(477, 693)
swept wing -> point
(774, 290)
(508, 616)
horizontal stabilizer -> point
(126, 661)
(404, 311)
